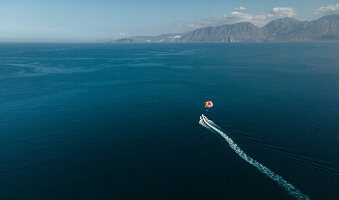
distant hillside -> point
(239, 32)
(150, 39)
(288, 29)
(279, 30)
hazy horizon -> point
(89, 21)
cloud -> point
(284, 12)
(327, 10)
(122, 34)
(240, 8)
(238, 16)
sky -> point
(100, 20)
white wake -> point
(275, 177)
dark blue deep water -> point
(103, 121)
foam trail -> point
(202, 123)
(275, 177)
(212, 123)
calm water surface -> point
(102, 121)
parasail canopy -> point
(208, 104)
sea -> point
(121, 121)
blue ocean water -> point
(104, 121)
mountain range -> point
(280, 30)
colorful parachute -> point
(208, 104)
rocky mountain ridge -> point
(280, 30)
